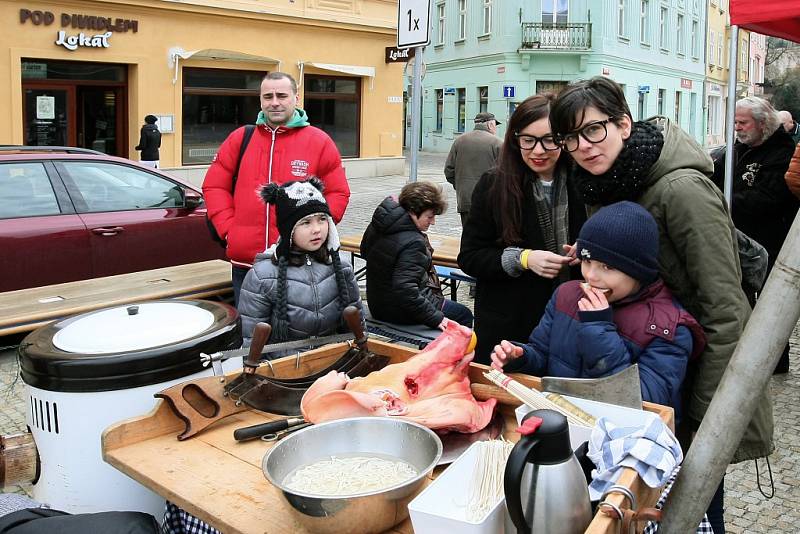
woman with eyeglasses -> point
(524, 212)
(659, 166)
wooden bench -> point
(27, 309)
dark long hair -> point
(506, 193)
(602, 93)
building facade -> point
(718, 75)
(489, 55)
(85, 73)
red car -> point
(72, 214)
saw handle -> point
(256, 431)
(261, 334)
(353, 319)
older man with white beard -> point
(763, 206)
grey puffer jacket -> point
(313, 305)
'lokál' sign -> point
(104, 26)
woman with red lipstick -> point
(659, 166)
(523, 214)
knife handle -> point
(256, 431)
(261, 334)
(353, 319)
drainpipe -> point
(743, 383)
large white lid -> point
(133, 327)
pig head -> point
(431, 388)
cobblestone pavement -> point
(746, 509)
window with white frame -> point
(695, 37)
(462, 19)
(621, 29)
(644, 21)
(720, 54)
(487, 17)
(555, 11)
(714, 115)
(680, 46)
(663, 38)
(662, 95)
(743, 59)
(712, 47)
(440, 26)
(678, 107)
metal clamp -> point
(613, 508)
(616, 488)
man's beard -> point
(747, 138)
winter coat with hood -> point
(699, 263)
(648, 328)
(763, 206)
(294, 151)
(149, 142)
(398, 263)
(313, 304)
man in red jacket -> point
(284, 147)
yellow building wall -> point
(324, 31)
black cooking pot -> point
(127, 346)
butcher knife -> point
(622, 389)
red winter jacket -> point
(276, 156)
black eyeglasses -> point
(529, 142)
(594, 132)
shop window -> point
(545, 86)
(439, 109)
(483, 99)
(678, 108)
(333, 104)
(215, 103)
(662, 95)
(462, 110)
(33, 69)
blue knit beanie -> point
(624, 236)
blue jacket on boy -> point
(648, 328)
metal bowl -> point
(364, 512)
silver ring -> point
(616, 488)
(613, 507)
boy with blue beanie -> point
(622, 314)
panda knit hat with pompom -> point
(293, 201)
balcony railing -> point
(554, 36)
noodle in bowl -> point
(401, 453)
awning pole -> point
(730, 112)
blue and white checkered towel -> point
(652, 450)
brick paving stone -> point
(747, 510)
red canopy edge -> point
(778, 18)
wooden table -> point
(27, 309)
(445, 248)
(220, 481)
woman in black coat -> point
(523, 214)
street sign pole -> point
(413, 30)
(416, 118)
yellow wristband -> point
(523, 258)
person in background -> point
(284, 148)
(523, 214)
(149, 142)
(402, 285)
(659, 166)
(622, 314)
(300, 286)
(790, 125)
(762, 205)
(471, 155)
